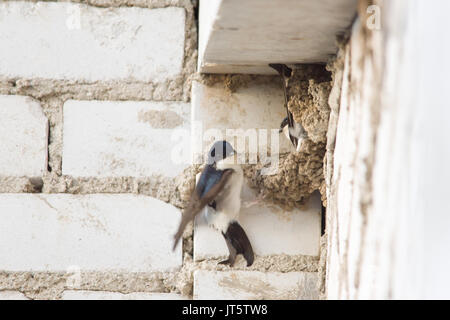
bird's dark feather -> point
(282, 69)
(209, 177)
(239, 242)
(210, 184)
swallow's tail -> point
(237, 242)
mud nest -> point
(300, 173)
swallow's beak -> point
(280, 131)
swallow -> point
(219, 190)
(294, 131)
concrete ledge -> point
(245, 36)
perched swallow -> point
(294, 131)
(219, 188)
(295, 134)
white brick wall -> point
(77, 42)
(104, 235)
(23, 136)
(107, 295)
(12, 295)
(107, 138)
(271, 230)
(99, 232)
(235, 285)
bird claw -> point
(227, 262)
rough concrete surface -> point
(360, 245)
(387, 228)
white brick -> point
(99, 232)
(106, 295)
(79, 42)
(256, 106)
(106, 138)
(12, 295)
(271, 230)
(23, 136)
(255, 285)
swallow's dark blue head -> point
(219, 151)
(283, 124)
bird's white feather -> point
(297, 131)
(228, 202)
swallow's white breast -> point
(228, 202)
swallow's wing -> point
(293, 139)
(210, 184)
(285, 72)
